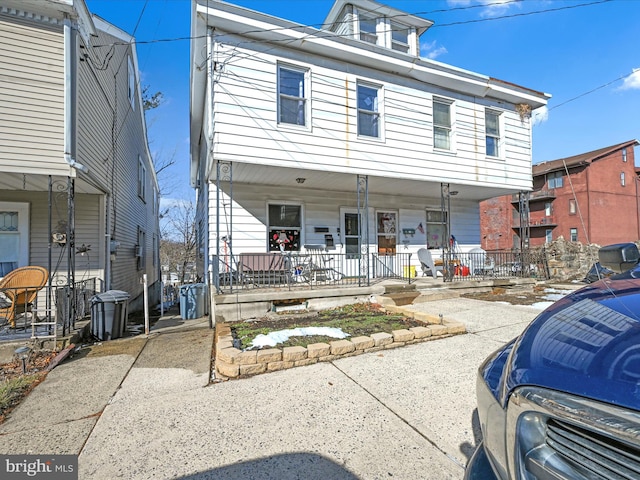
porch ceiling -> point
(40, 183)
(341, 182)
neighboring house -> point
(588, 198)
(343, 138)
(78, 192)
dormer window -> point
(377, 24)
(368, 32)
(399, 37)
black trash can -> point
(192, 300)
(109, 314)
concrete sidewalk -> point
(60, 414)
(137, 408)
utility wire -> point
(334, 35)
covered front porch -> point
(283, 229)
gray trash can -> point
(109, 314)
(192, 300)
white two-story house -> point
(344, 137)
(78, 192)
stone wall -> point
(570, 260)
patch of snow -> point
(281, 336)
(542, 305)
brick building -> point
(588, 198)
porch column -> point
(363, 227)
(224, 173)
(524, 229)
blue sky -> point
(584, 56)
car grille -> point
(591, 451)
(560, 436)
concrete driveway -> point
(407, 413)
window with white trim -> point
(387, 232)
(131, 86)
(622, 179)
(285, 226)
(572, 207)
(399, 37)
(369, 110)
(142, 179)
(436, 228)
(441, 124)
(292, 95)
(368, 29)
(573, 234)
(548, 236)
(492, 132)
(624, 155)
(141, 249)
(14, 236)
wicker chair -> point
(20, 288)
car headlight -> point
(558, 436)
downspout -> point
(70, 117)
(590, 239)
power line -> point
(592, 90)
(334, 35)
(524, 14)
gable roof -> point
(579, 160)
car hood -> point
(586, 344)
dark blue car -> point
(562, 400)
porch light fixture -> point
(300, 180)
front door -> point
(14, 236)
(350, 228)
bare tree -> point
(179, 242)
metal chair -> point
(20, 288)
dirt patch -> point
(356, 320)
(519, 296)
(16, 383)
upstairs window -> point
(624, 155)
(368, 111)
(442, 124)
(131, 90)
(368, 30)
(142, 179)
(492, 126)
(622, 179)
(292, 101)
(399, 37)
(572, 207)
(555, 180)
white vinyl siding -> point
(334, 143)
(31, 98)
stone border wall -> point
(231, 362)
